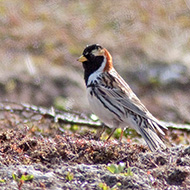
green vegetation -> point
(23, 177)
(2, 180)
(119, 169)
(116, 169)
(69, 176)
(104, 186)
(20, 180)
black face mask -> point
(92, 65)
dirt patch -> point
(75, 160)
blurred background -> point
(40, 41)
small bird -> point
(113, 101)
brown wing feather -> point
(124, 96)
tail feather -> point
(158, 126)
(150, 136)
(152, 139)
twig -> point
(73, 118)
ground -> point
(42, 154)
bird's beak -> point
(82, 59)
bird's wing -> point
(118, 91)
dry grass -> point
(42, 146)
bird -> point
(114, 102)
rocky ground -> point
(42, 154)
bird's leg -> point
(100, 132)
(115, 125)
(121, 136)
(113, 130)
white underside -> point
(107, 117)
(97, 107)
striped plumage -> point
(113, 101)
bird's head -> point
(95, 58)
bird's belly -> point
(104, 114)
(107, 116)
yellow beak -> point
(82, 59)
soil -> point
(58, 157)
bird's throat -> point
(91, 67)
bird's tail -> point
(148, 131)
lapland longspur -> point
(113, 101)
